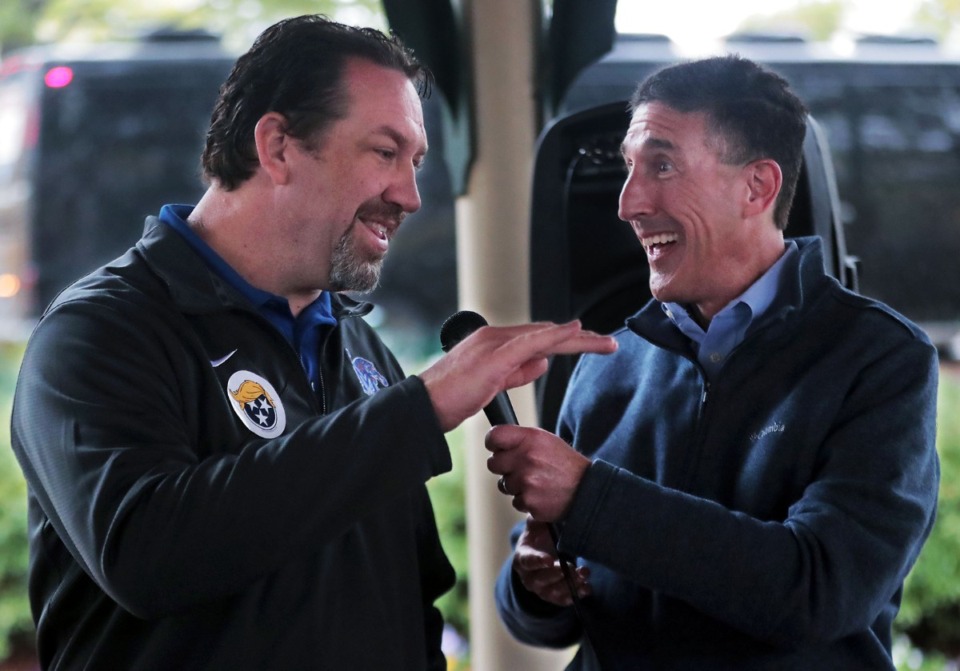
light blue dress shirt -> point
(729, 326)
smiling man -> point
(704, 244)
(226, 466)
(753, 472)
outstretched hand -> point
(494, 359)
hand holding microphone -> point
(516, 450)
(540, 471)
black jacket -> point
(165, 533)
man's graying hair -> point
(750, 109)
(295, 68)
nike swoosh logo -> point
(223, 359)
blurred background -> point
(104, 104)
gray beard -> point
(350, 272)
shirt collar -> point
(269, 304)
(755, 301)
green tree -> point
(16, 625)
(18, 20)
(29, 21)
(816, 19)
(930, 613)
(938, 16)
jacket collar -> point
(803, 280)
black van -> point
(92, 139)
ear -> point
(273, 143)
(763, 180)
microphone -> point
(500, 411)
(457, 327)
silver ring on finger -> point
(502, 485)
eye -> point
(663, 166)
(386, 154)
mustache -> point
(381, 211)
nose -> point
(636, 198)
(403, 190)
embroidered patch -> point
(257, 404)
(370, 378)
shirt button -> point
(716, 357)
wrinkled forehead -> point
(657, 126)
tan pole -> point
(492, 260)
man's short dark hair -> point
(751, 109)
(295, 68)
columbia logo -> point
(776, 427)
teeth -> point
(379, 229)
(660, 239)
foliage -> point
(822, 19)
(15, 621)
(907, 657)
(930, 614)
(17, 22)
(938, 16)
(816, 20)
(447, 495)
(25, 22)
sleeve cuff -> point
(587, 501)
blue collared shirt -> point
(302, 332)
(728, 327)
